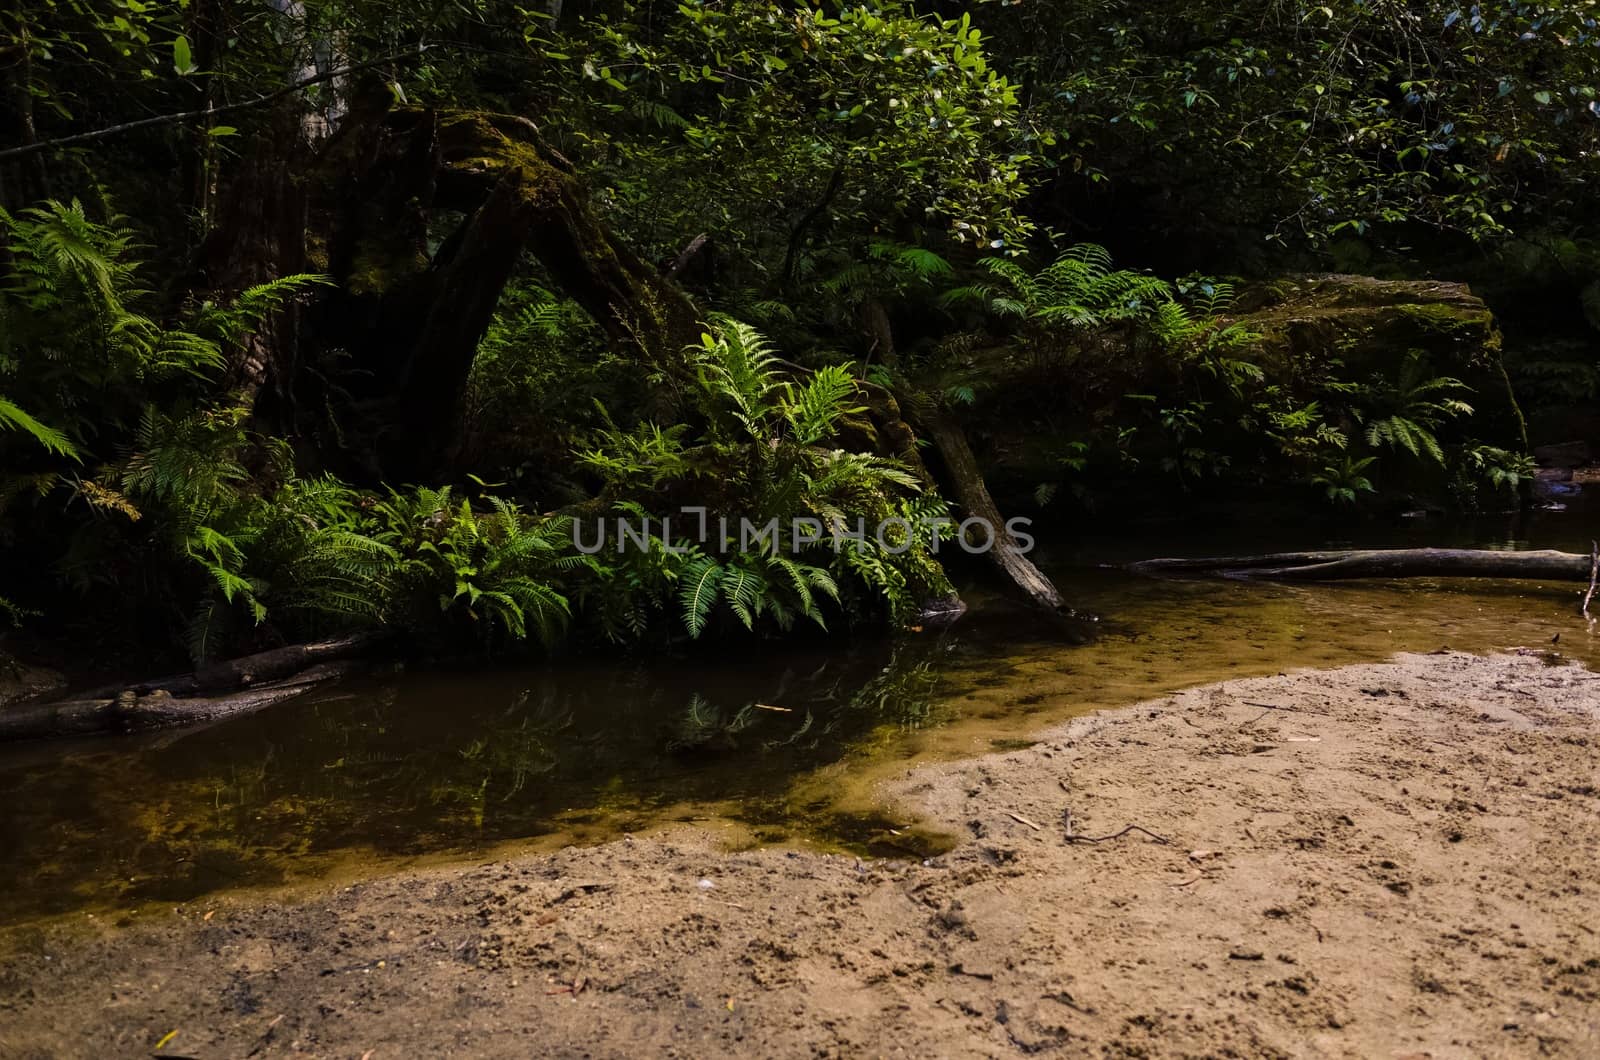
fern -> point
(814, 409)
(233, 323)
(920, 262)
(1405, 413)
(737, 371)
(765, 453)
(52, 440)
(1078, 290)
(745, 592)
(697, 592)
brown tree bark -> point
(260, 236)
(129, 713)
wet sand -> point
(1379, 860)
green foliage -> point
(313, 554)
(1305, 122)
(1503, 472)
(1345, 481)
(539, 371)
(857, 168)
(241, 548)
(77, 348)
(51, 440)
(118, 411)
(775, 127)
(1077, 290)
(764, 457)
(492, 568)
(80, 347)
(1079, 293)
(1404, 413)
(1091, 333)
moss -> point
(489, 149)
(1453, 319)
(316, 251)
(379, 263)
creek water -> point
(781, 745)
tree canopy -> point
(265, 256)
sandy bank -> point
(1382, 860)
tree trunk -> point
(1545, 565)
(966, 482)
(411, 325)
(260, 236)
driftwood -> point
(882, 427)
(1542, 565)
(212, 693)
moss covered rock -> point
(1112, 410)
(1371, 324)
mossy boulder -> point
(1372, 324)
(1038, 413)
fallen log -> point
(1539, 565)
(211, 693)
(130, 712)
(274, 664)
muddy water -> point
(777, 747)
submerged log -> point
(209, 694)
(1542, 565)
(130, 712)
(275, 664)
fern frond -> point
(53, 440)
(697, 592)
(816, 408)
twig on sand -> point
(1253, 720)
(1073, 837)
(266, 1035)
(577, 890)
(1291, 710)
(1017, 817)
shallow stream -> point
(780, 746)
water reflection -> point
(453, 760)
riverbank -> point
(1379, 860)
